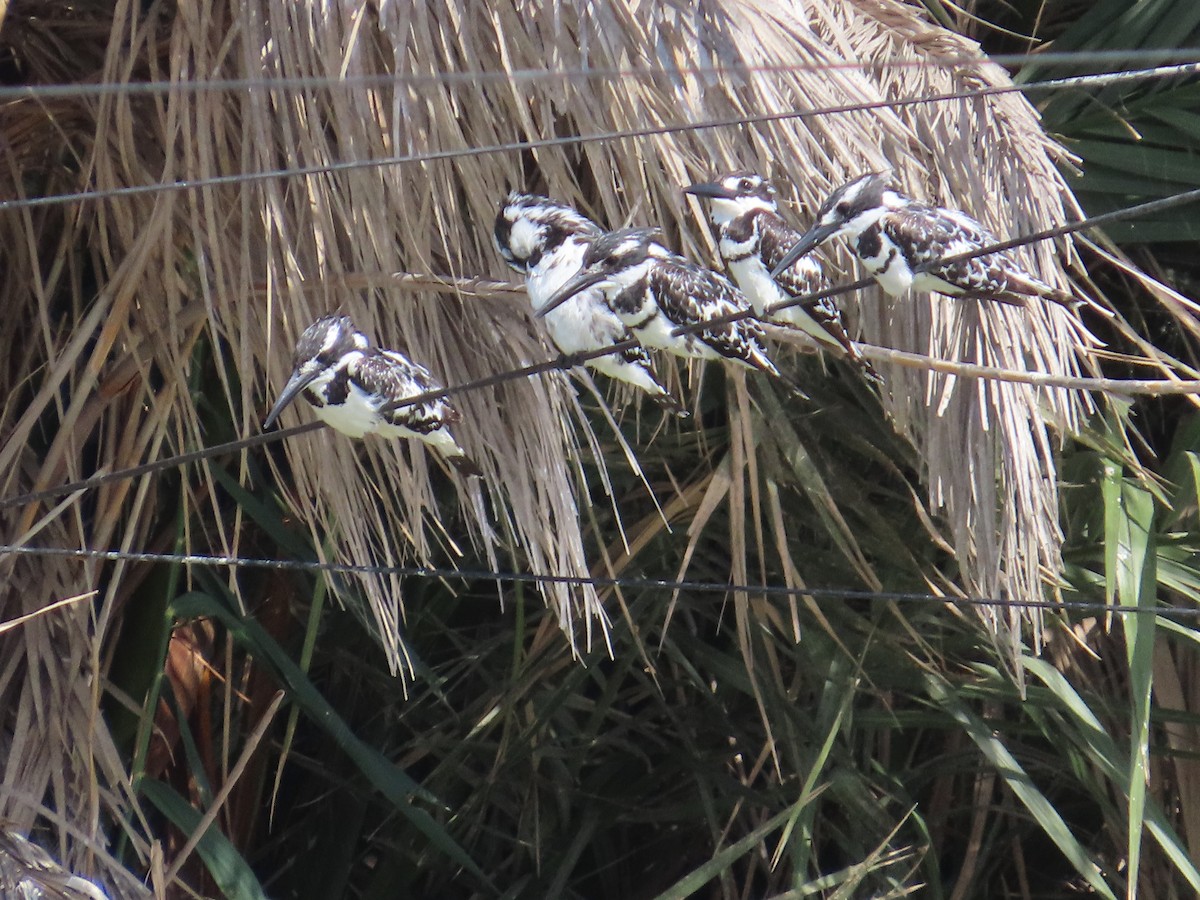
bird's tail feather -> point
(466, 466)
(670, 404)
(792, 387)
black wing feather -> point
(391, 377)
(776, 238)
(690, 295)
(992, 276)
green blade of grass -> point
(228, 869)
(390, 780)
(1018, 781)
(697, 878)
(1129, 528)
(1103, 752)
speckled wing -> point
(804, 276)
(924, 233)
(691, 295)
(391, 376)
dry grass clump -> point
(114, 307)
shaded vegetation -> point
(391, 735)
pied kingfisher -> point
(349, 382)
(546, 241)
(752, 239)
(655, 291)
(893, 235)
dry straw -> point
(242, 269)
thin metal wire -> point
(1048, 59)
(157, 465)
(569, 361)
(600, 137)
(292, 565)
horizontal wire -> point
(600, 137)
(1156, 387)
(192, 559)
(171, 462)
(517, 76)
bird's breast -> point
(555, 269)
(584, 323)
(756, 283)
(632, 303)
(655, 330)
(355, 414)
(733, 249)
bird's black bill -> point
(580, 282)
(815, 236)
(291, 390)
(710, 189)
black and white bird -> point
(894, 236)
(654, 291)
(753, 238)
(349, 383)
(546, 241)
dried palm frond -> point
(115, 306)
(988, 446)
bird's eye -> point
(843, 208)
(745, 184)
